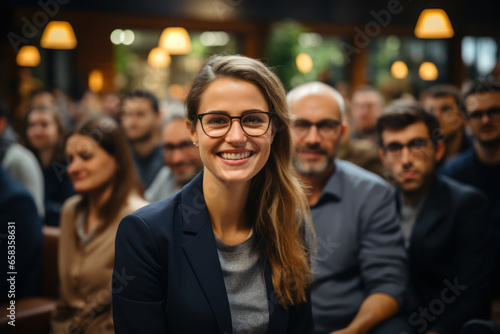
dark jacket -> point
(450, 258)
(167, 275)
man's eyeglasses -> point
(493, 114)
(416, 147)
(169, 148)
(327, 128)
(253, 124)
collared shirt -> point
(360, 248)
(163, 186)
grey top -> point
(360, 247)
(163, 186)
(245, 285)
(408, 216)
(22, 165)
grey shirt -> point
(360, 248)
(163, 186)
(245, 285)
(408, 215)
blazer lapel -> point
(201, 251)
(278, 316)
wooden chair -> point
(33, 313)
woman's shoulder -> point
(69, 205)
(69, 211)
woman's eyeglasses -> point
(253, 124)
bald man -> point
(360, 273)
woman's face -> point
(42, 130)
(235, 157)
(90, 167)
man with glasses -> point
(182, 160)
(480, 167)
(445, 103)
(359, 273)
(445, 224)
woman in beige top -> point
(101, 168)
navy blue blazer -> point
(450, 257)
(167, 275)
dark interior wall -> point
(463, 13)
(99, 17)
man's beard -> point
(144, 138)
(309, 170)
(491, 143)
(186, 177)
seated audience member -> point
(366, 106)
(361, 152)
(445, 224)
(360, 273)
(225, 254)
(182, 160)
(44, 136)
(42, 98)
(480, 166)
(21, 231)
(445, 103)
(19, 162)
(103, 174)
(110, 103)
(140, 119)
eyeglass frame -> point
(185, 145)
(311, 124)
(409, 145)
(474, 115)
(271, 115)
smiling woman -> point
(101, 169)
(229, 249)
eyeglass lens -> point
(253, 124)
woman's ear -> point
(192, 132)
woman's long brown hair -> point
(277, 203)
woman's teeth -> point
(233, 156)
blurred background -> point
(113, 46)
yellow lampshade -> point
(428, 71)
(433, 23)
(176, 40)
(159, 58)
(399, 70)
(28, 56)
(96, 81)
(304, 62)
(58, 35)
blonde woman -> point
(227, 253)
